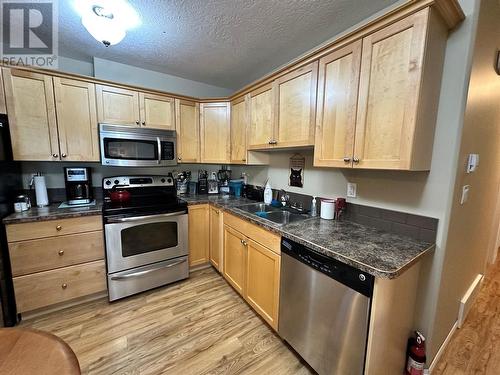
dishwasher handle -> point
(350, 276)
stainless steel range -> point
(146, 231)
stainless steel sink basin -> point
(273, 214)
(258, 207)
(284, 217)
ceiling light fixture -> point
(107, 20)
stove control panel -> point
(137, 181)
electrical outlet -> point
(351, 189)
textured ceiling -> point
(227, 43)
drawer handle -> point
(64, 285)
(58, 228)
(61, 253)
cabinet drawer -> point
(51, 228)
(50, 287)
(254, 232)
(55, 252)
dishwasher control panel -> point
(360, 281)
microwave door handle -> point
(159, 149)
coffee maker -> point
(78, 185)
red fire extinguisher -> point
(416, 355)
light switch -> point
(351, 189)
(465, 194)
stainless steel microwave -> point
(130, 146)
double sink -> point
(276, 215)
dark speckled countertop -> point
(52, 212)
(377, 252)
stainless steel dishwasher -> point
(324, 310)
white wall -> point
(113, 71)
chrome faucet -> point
(285, 198)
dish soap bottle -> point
(314, 210)
(268, 193)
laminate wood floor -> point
(475, 348)
(197, 326)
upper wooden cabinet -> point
(76, 119)
(397, 97)
(261, 131)
(214, 130)
(188, 131)
(117, 106)
(336, 109)
(295, 98)
(32, 116)
(128, 107)
(239, 122)
(157, 111)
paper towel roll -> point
(42, 199)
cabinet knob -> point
(243, 159)
(55, 155)
(243, 242)
(63, 155)
(347, 159)
(143, 123)
(355, 160)
(61, 253)
(58, 228)
(179, 158)
(137, 122)
(64, 285)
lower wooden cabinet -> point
(216, 237)
(235, 254)
(50, 287)
(252, 268)
(263, 281)
(199, 237)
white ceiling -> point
(226, 43)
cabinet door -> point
(336, 110)
(216, 234)
(117, 106)
(76, 119)
(260, 134)
(188, 131)
(235, 254)
(214, 129)
(263, 282)
(198, 221)
(32, 117)
(157, 111)
(295, 98)
(391, 70)
(3, 106)
(239, 120)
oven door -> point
(139, 241)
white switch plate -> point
(465, 194)
(472, 163)
(351, 189)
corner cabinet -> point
(120, 106)
(262, 111)
(188, 131)
(214, 130)
(239, 121)
(397, 98)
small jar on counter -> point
(22, 203)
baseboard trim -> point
(428, 371)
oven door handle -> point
(140, 218)
(145, 272)
(159, 149)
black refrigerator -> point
(10, 186)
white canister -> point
(327, 209)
